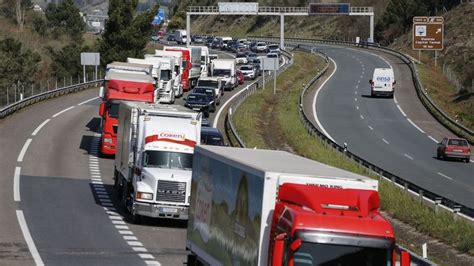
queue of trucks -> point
(242, 206)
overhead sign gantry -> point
(244, 8)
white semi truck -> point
(227, 70)
(179, 66)
(154, 155)
(163, 74)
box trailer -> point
(262, 207)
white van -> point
(382, 83)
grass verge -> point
(442, 226)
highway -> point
(57, 197)
(398, 134)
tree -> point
(17, 65)
(67, 62)
(16, 10)
(66, 17)
(126, 34)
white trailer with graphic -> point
(153, 162)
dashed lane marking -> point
(384, 140)
(445, 176)
(40, 126)
(23, 150)
(63, 111)
(419, 129)
(408, 156)
(16, 184)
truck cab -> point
(338, 227)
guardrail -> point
(439, 114)
(434, 200)
(249, 90)
(46, 95)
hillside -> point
(454, 95)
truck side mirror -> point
(404, 258)
(394, 82)
(101, 92)
(279, 249)
(102, 108)
(370, 81)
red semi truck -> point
(192, 71)
(262, 207)
(123, 81)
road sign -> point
(329, 9)
(428, 33)
(238, 8)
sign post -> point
(428, 34)
(90, 59)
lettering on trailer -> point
(325, 186)
(329, 9)
(428, 33)
(177, 138)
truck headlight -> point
(144, 195)
(107, 140)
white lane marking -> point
(355, 99)
(152, 262)
(16, 184)
(445, 176)
(40, 126)
(355, 92)
(125, 232)
(65, 110)
(146, 256)
(433, 139)
(130, 237)
(139, 249)
(105, 201)
(135, 243)
(23, 150)
(358, 81)
(401, 111)
(86, 101)
(385, 141)
(357, 86)
(122, 227)
(361, 117)
(29, 240)
(101, 192)
(118, 222)
(316, 98)
(357, 107)
(361, 76)
(371, 128)
(395, 99)
(411, 122)
(107, 204)
(408, 156)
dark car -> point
(200, 102)
(212, 136)
(171, 38)
(210, 92)
(197, 39)
(256, 62)
(456, 148)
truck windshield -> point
(165, 75)
(221, 72)
(170, 160)
(324, 254)
(113, 110)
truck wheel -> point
(136, 218)
(117, 186)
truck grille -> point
(114, 128)
(171, 191)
